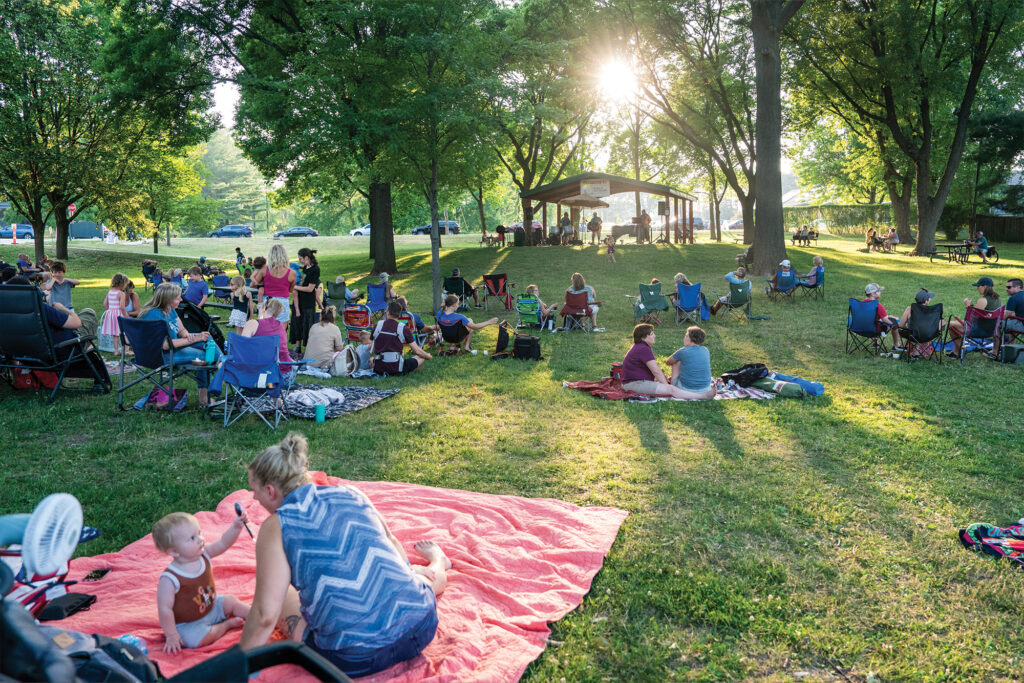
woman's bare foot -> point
(432, 553)
(439, 565)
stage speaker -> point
(662, 208)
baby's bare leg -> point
(233, 607)
(217, 631)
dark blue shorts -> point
(407, 647)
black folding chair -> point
(923, 330)
(26, 343)
(147, 338)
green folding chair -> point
(738, 305)
(648, 304)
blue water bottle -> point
(134, 640)
(211, 351)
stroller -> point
(197, 320)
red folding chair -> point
(981, 326)
(497, 285)
(576, 312)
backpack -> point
(346, 362)
(746, 375)
(526, 347)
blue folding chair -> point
(180, 281)
(158, 279)
(862, 333)
(147, 338)
(817, 290)
(252, 379)
(785, 285)
(689, 300)
(377, 300)
(221, 287)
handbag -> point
(66, 605)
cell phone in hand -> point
(96, 574)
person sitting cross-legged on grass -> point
(640, 371)
(691, 367)
(448, 316)
(389, 340)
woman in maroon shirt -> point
(640, 370)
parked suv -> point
(443, 227)
(25, 231)
(232, 231)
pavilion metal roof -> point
(569, 187)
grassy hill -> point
(767, 538)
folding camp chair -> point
(451, 338)
(179, 280)
(862, 333)
(334, 295)
(147, 338)
(689, 301)
(456, 286)
(221, 287)
(528, 312)
(376, 299)
(254, 380)
(817, 290)
(147, 275)
(648, 303)
(923, 332)
(576, 312)
(496, 285)
(785, 285)
(26, 343)
(738, 305)
(158, 279)
(981, 327)
(357, 319)
(422, 338)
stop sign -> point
(71, 208)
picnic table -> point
(953, 252)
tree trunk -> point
(480, 205)
(156, 241)
(929, 210)
(169, 226)
(900, 204)
(769, 238)
(60, 218)
(382, 235)
(528, 223)
(747, 209)
(435, 238)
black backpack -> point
(524, 347)
(747, 375)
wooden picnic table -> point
(953, 252)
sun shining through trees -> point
(617, 81)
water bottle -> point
(136, 642)
(211, 351)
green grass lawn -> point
(766, 538)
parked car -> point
(25, 231)
(360, 232)
(232, 231)
(537, 225)
(443, 227)
(698, 223)
(297, 231)
(735, 225)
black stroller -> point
(196, 320)
(26, 654)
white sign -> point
(595, 188)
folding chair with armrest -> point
(496, 285)
(785, 285)
(376, 300)
(817, 290)
(923, 330)
(254, 379)
(648, 303)
(738, 304)
(980, 327)
(457, 286)
(528, 312)
(451, 338)
(147, 339)
(357, 318)
(576, 312)
(862, 333)
(26, 343)
(221, 287)
(688, 304)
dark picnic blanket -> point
(356, 398)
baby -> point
(191, 613)
(363, 350)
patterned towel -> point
(998, 542)
(610, 389)
(355, 398)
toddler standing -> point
(611, 249)
(59, 286)
(191, 613)
(115, 305)
(241, 304)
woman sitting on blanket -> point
(331, 574)
(325, 344)
(640, 371)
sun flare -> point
(616, 80)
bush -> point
(841, 219)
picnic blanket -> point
(518, 564)
(355, 398)
(610, 389)
(997, 542)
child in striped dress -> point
(115, 305)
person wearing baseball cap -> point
(980, 244)
(785, 268)
(923, 298)
(983, 328)
(468, 290)
(883, 321)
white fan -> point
(51, 535)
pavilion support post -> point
(668, 217)
(675, 224)
(689, 219)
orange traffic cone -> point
(14, 233)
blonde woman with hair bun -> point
(279, 283)
(330, 574)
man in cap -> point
(467, 289)
(786, 267)
(923, 297)
(883, 321)
(980, 244)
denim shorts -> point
(364, 664)
(193, 632)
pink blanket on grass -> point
(610, 389)
(517, 565)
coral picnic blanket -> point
(610, 389)
(517, 564)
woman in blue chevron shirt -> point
(330, 573)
